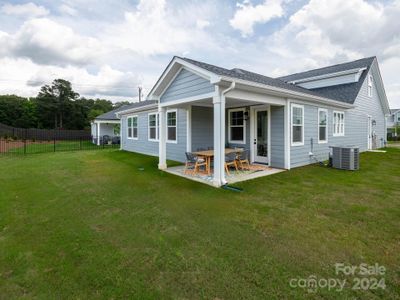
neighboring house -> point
(106, 124)
(109, 124)
(284, 122)
(393, 122)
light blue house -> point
(284, 122)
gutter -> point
(330, 75)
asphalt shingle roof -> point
(250, 76)
(344, 93)
(111, 114)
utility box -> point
(346, 158)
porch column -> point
(98, 134)
(219, 138)
(162, 144)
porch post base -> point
(217, 183)
(162, 166)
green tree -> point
(17, 111)
(55, 102)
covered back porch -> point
(105, 132)
(231, 119)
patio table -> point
(209, 154)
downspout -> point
(230, 88)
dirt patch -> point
(7, 145)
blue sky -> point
(108, 48)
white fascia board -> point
(288, 93)
(106, 121)
(381, 88)
(183, 63)
(136, 109)
(357, 71)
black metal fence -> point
(17, 141)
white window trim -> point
(326, 126)
(137, 127)
(176, 126)
(370, 85)
(291, 125)
(157, 126)
(333, 123)
(229, 126)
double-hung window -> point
(297, 116)
(237, 126)
(370, 80)
(132, 125)
(322, 125)
(171, 126)
(338, 123)
(153, 126)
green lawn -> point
(92, 225)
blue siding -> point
(202, 132)
(356, 128)
(277, 136)
(186, 84)
(143, 145)
(202, 127)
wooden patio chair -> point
(194, 163)
(230, 160)
(243, 160)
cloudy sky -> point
(108, 48)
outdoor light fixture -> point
(373, 122)
(246, 115)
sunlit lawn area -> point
(94, 224)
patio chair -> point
(193, 163)
(243, 160)
(116, 140)
(106, 139)
(230, 160)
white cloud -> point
(201, 24)
(121, 40)
(47, 42)
(23, 77)
(28, 9)
(153, 29)
(68, 10)
(248, 15)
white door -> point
(261, 136)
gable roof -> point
(111, 115)
(252, 77)
(343, 92)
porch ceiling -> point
(230, 103)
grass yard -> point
(92, 225)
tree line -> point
(57, 106)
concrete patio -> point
(255, 171)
